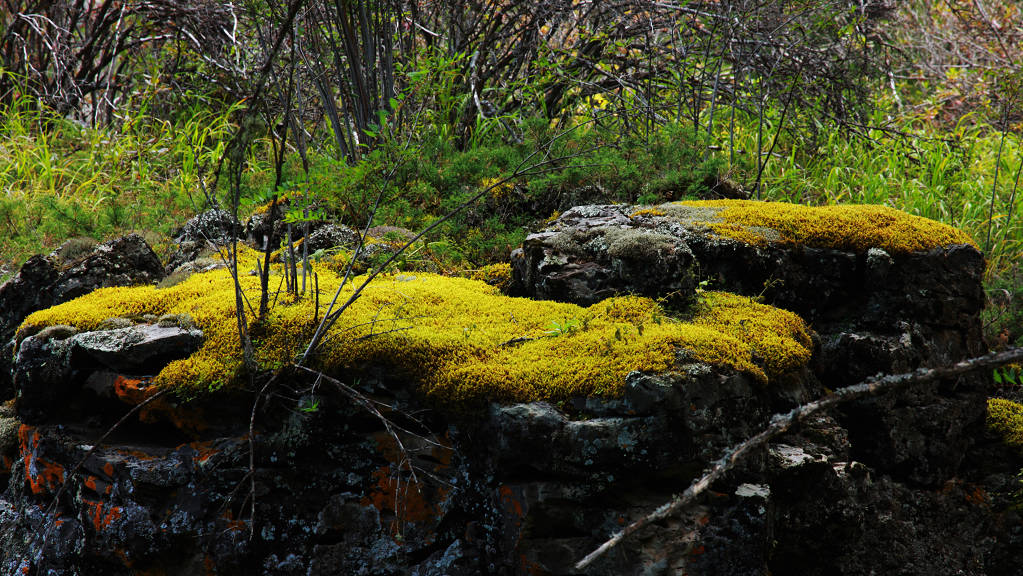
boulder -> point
(142, 349)
(880, 298)
(593, 252)
(331, 236)
(52, 365)
(204, 233)
(47, 281)
(125, 261)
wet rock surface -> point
(904, 483)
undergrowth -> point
(61, 179)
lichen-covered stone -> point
(45, 281)
(203, 233)
(592, 253)
(331, 236)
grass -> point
(60, 179)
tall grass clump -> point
(61, 179)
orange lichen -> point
(188, 418)
(102, 515)
(41, 475)
(203, 451)
(233, 524)
(98, 486)
(133, 390)
(390, 493)
(511, 504)
(135, 454)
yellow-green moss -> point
(1005, 418)
(498, 275)
(647, 212)
(850, 227)
(459, 338)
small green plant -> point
(1011, 375)
(567, 326)
(309, 404)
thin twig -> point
(252, 456)
(370, 406)
(782, 422)
(517, 340)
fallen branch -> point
(782, 422)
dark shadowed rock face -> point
(125, 261)
(879, 487)
(47, 281)
(51, 366)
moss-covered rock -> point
(1005, 418)
(461, 339)
(854, 228)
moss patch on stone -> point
(497, 275)
(1005, 418)
(460, 339)
(852, 227)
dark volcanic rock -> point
(51, 365)
(138, 349)
(331, 236)
(874, 312)
(887, 485)
(125, 261)
(47, 281)
(205, 232)
(594, 252)
(216, 226)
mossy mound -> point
(854, 228)
(461, 339)
(1005, 418)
